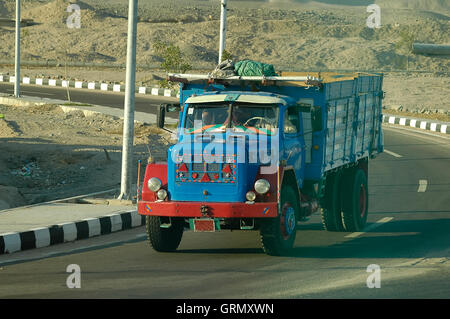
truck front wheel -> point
(355, 201)
(164, 239)
(278, 234)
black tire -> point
(355, 200)
(278, 234)
(332, 209)
(164, 239)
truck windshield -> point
(249, 118)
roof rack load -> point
(186, 78)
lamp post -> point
(130, 83)
(223, 28)
(17, 57)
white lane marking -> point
(392, 153)
(422, 186)
(371, 227)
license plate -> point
(204, 225)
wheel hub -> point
(288, 222)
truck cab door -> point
(305, 106)
(293, 142)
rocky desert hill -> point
(295, 35)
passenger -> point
(207, 118)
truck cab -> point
(249, 156)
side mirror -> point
(161, 114)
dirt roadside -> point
(46, 154)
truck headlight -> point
(262, 186)
(154, 184)
(161, 194)
(250, 196)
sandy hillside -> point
(291, 34)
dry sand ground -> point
(46, 154)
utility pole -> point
(130, 83)
(17, 57)
(223, 28)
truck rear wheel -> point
(332, 211)
(164, 239)
(278, 234)
(355, 201)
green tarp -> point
(253, 68)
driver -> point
(240, 116)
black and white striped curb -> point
(68, 232)
(91, 85)
(429, 125)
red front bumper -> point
(217, 210)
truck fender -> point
(158, 170)
(272, 195)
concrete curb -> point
(92, 85)
(424, 124)
(69, 232)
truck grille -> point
(222, 172)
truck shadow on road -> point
(396, 239)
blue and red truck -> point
(264, 153)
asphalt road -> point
(409, 240)
(143, 103)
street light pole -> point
(223, 28)
(17, 57)
(130, 83)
